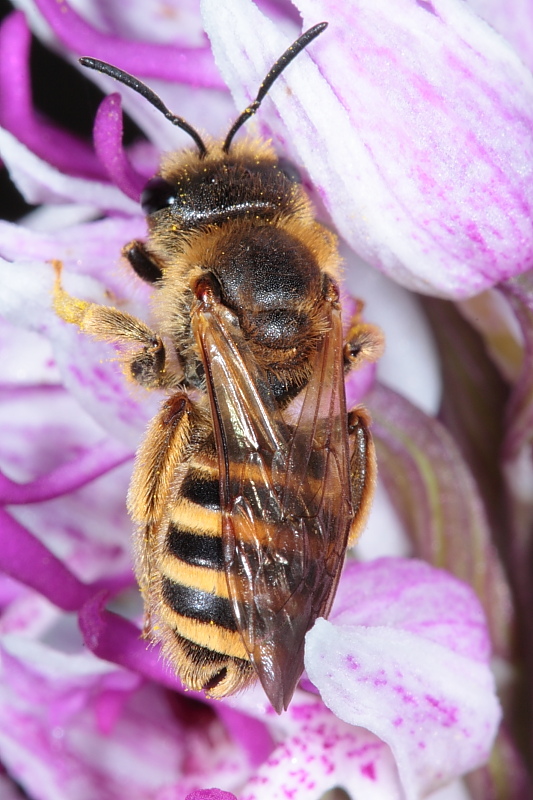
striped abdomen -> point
(202, 638)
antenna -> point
(282, 62)
(139, 87)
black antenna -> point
(274, 73)
(139, 87)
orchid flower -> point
(412, 122)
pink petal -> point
(400, 129)
(108, 144)
(411, 595)
(74, 727)
(210, 794)
(513, 20)
(27, 357)
(392, 668)
(115, 639)
(92, 248)
(168, 62)
(86, 366)
(39, 182)
(49, 142)
(68, 477)
(29, 615)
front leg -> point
(144, 361)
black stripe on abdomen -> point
(195, 604)
(195, 548)
(203, 491)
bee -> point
(253, 478)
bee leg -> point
(146, 366)
(364, 342)
(158, 457)
(141, 262)
(156, 462)
(362, 469)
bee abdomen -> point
(193, 591)
(198, 605)
(195, 549)
(201, 489)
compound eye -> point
(156, 195)
(289, 170)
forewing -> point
(285, 494)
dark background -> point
(64, 96)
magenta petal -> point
(70, 476)
(62, 150)
(115, 639)
(168, 62)
(25, 558)
(108, 144)
(358, 383)
(210, 794)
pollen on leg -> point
(69, 308)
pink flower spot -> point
(350, 660)
(407, 697)
(380, 682)
(421, 745)
(327, 765)
(369, 771)
(299, 775)
(448, 715)
(397, 722)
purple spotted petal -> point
(416, 128)
(391, 663)
(49, 142)
(108, 144)
(436, 497)
(210, 794)
(319, 753)
(87, 367)
(165, 61)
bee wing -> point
(285, 494)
